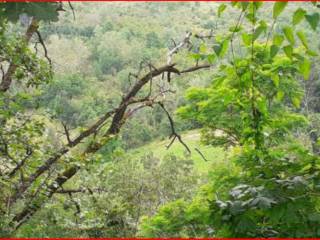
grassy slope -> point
(192, 139)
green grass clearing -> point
(192, 139)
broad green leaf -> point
(217, 49)
(278, 8)
(235, 29)
(195, 56)
(298, 16)
(288, 32)
(258, 31)
(298, 56)
(211, 58)
(224, 47)
(305, 68)
(221, 9)
(303, 39)
(311, 53)
(252, 17)
(247, 38)
(278, 39)
(288, 50)
(313, 20)
(221, 48)
(274, 49)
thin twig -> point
(201, 154)
(44, 47)
(174, 134)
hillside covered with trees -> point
(155, 119)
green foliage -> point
(313, 20)
(72, 100)
(46, 11)
(288, 32)
(31, 70)
(278, 8)
(263, 179)
(251, 108)
(221, 9)
(122, 191)
(298, 16)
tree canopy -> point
(93, 96)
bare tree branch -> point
(44, 47)
(174, 134)
(66, 131)
(22, 162)
(201, 154)
(183, 43)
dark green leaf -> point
(288, 50)
(288, 32)
(278, 7)
(313, 20)
(298, 16)
(274, 49)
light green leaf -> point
(303, 39)
(257, 32)
(195, 56)
(211, 58)
(278, 39)
(247, 39)
(288, 50)
(298, 16)
(262, 106)
(235, 29)
(305, 68)
(313, 20)
(278, 8)
(221, 48)
(262, 28)
(224, 47)
(221, 9)
(288, 32)
(251, 17)
(311, 53)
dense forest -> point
(159, 119)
